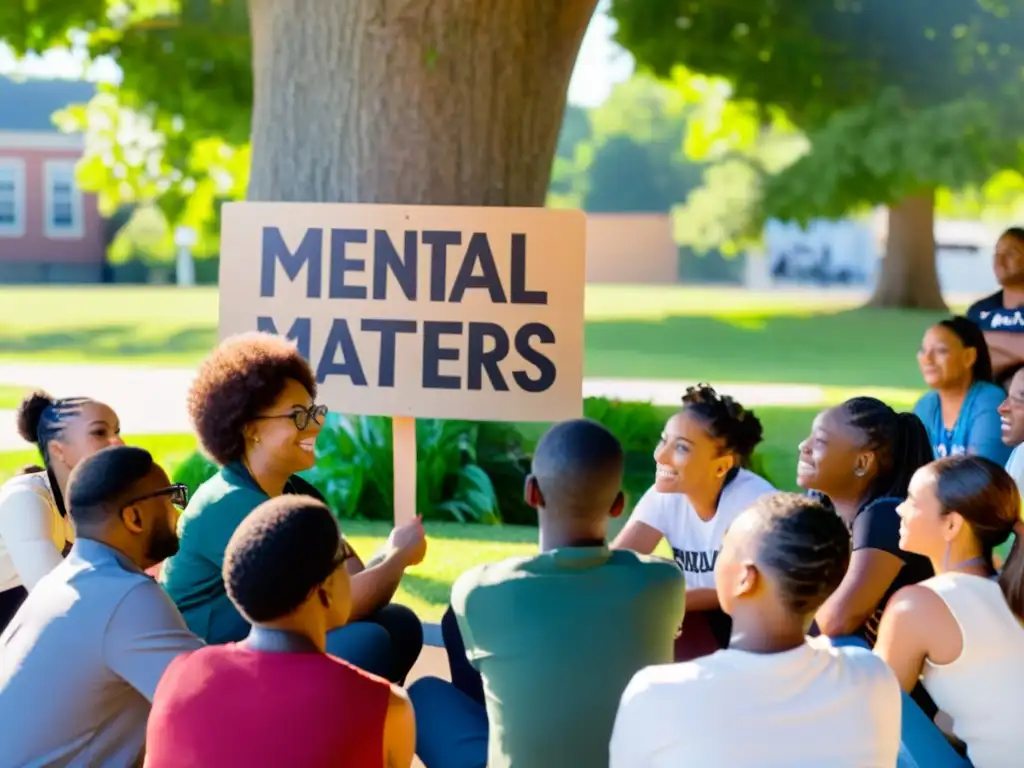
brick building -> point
(50, 231)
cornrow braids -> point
(726, 420)
(806, 546)
(41, 419)
(898, 440)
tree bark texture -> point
(908, 277)
(444, 102)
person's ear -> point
(323, 594)
(250, 433)
(723, 464)
(953, 525)
(55, 452)
(618, 505)
(748, 580)
(132, 519)
(532, 494)
(970, 357)
(863, 464)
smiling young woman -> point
(701, 485)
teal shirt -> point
(193, 576)
(557, 638)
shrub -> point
(194, 471)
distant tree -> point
(898, 101)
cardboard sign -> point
(442, 312)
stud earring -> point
(859, 472)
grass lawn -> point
(632, 332)
(641, 332)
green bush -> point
(194, 471)
(465, 471)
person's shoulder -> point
(986, 304)
(883, 505)
(990, 396)
(220, 492)
(487, 578)
(33, 485)
(654, 568)
(926, 405)
(750, 484)
(866, 669)
(679, 682)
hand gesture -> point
(410, 541)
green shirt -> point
(557, 638)
(193, 576)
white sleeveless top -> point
(983, 690)
(33, 533)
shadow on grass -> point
(863, 347)
(111, 341)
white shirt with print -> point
(695, 543)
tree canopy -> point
(894, 98)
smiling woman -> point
(701, 484)
(253, 406)
(960, 411)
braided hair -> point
(806, 547)
(726, 420)
(41, 419)
(898, 440)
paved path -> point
(152, 400)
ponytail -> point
(899, 441)
(1011, 578)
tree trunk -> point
(446, 102)
(908, 277)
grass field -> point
(632, 332)
(635, 332)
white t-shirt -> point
(33, 533)
(695, 543)
(809, 707)
(982, 690)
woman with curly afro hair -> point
(253, 407)
(701, 484)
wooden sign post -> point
(416, 311)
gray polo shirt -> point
(80, 661)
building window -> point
(63, 200)
(12, 197)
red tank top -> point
(228, 706)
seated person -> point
(861, 455)
(294, 703)
(556, 636)
(700, 486)
(1001, 315)
(81, 658)
(35, 532)
(1011, 425)
(253, 406)
(775, 698)
(959, 632)
(960, 412)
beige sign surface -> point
(444, 312)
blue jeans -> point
(451, 728)
(386, 643)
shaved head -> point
(578, 468)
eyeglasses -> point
(178, 493)
(345, 552)
(301, 416)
